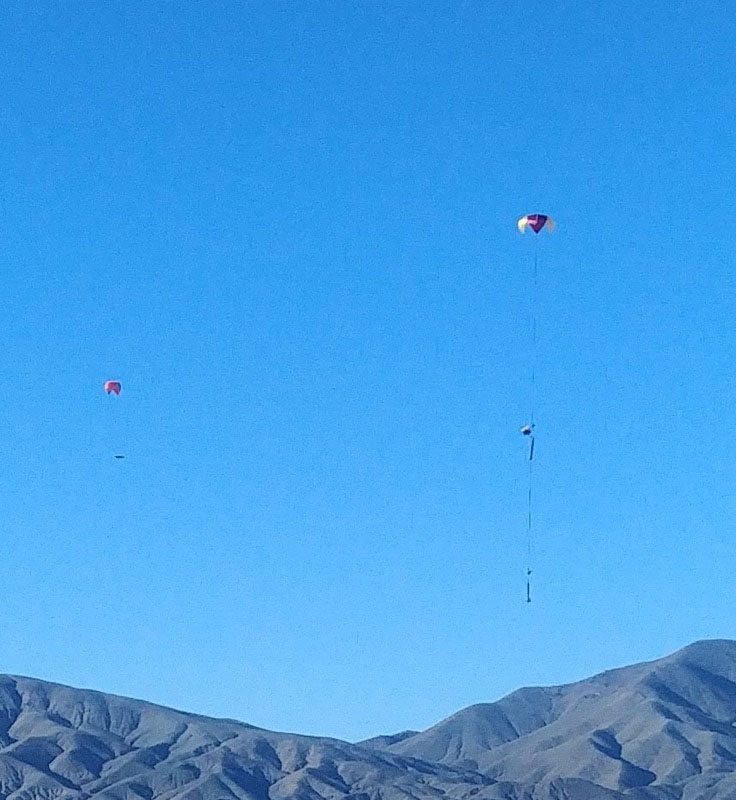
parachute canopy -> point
(536, 222)
(113, 387)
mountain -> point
(62, 743)
(664, 730)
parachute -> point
(536, 222)
(114, 387)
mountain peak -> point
(659, 730)
(660, 723)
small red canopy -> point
(113, 386)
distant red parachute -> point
(536, 222)
(113, 387)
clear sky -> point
(289, 229)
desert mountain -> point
(664, 730)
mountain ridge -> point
(659, 730)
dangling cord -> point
(529, 523)
(531, 422)
(534, 334)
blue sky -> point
(289, 230)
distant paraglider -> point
(537, 222)
(114, 387)
(528, 430)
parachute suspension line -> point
(529, 530)
(533, 399)
(530, 483)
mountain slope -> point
(664, 730)
(59, 742)
(665, 724)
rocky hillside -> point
(658, 731)
(664, 729)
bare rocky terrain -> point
(664, 730)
